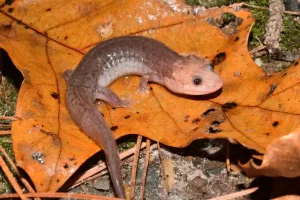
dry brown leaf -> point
(282, 158)
(44, 38)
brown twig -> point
(145, 168)
(134, 165)
(264, 8)
(59, 195)
(236, 194)
(94, 172)
(6, 126)
(5, 132)
(11, 179)
(8, 118)
(12, 164)
(227, 157)
(167, 188)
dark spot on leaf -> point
(296, 63)
(66, 37)
(272, 88)
(196, 120)
(212, 130)
(54, 95)
(73, 158)
(19, 22)
(10, 10)
(57, 180)
(236, 38)
(215, 123)
(195, 129)
(102, 114)
(6, 26)
(66, 166)
(113, 128)
(186, 118)
(9, 2)
(219, 58)
(26, 26)
(229, 105)
(113, 108)
(208, 111)
(127, 116)
(49, 9)
(137, 112)
(267, 134)
(275, 124)
(284, 74)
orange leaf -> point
(46, 38)
(282, 158)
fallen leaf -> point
(282, 158)
(44, 38)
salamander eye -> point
(197, 80)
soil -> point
(197, 172)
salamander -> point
(117, 57)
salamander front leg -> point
(106, 94)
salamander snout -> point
(194, 78)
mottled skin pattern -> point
(122, 56)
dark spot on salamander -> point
(57, 180)
(219, 58)
(102, 114)
(296, 63)
(113, 108)
(208, 111)
(113, 128)
(236, 38)
(275, 124)
(196, 120)
(137, 112)
(54, 95)
(127, 116)
(212, 130)
(267, 134)
(10, 10)
(49, 9)
(66, 37)
(66, 166)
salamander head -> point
(193, 76)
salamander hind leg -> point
(106, 94)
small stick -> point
(59, 195)
(265, 8)
(145, 168)
(236, 194)
(8, 118)
(227, 157)
(134, 165)
(5, 132)
(11, 179)
(90, 174)
(12, 164)
(163, 168)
